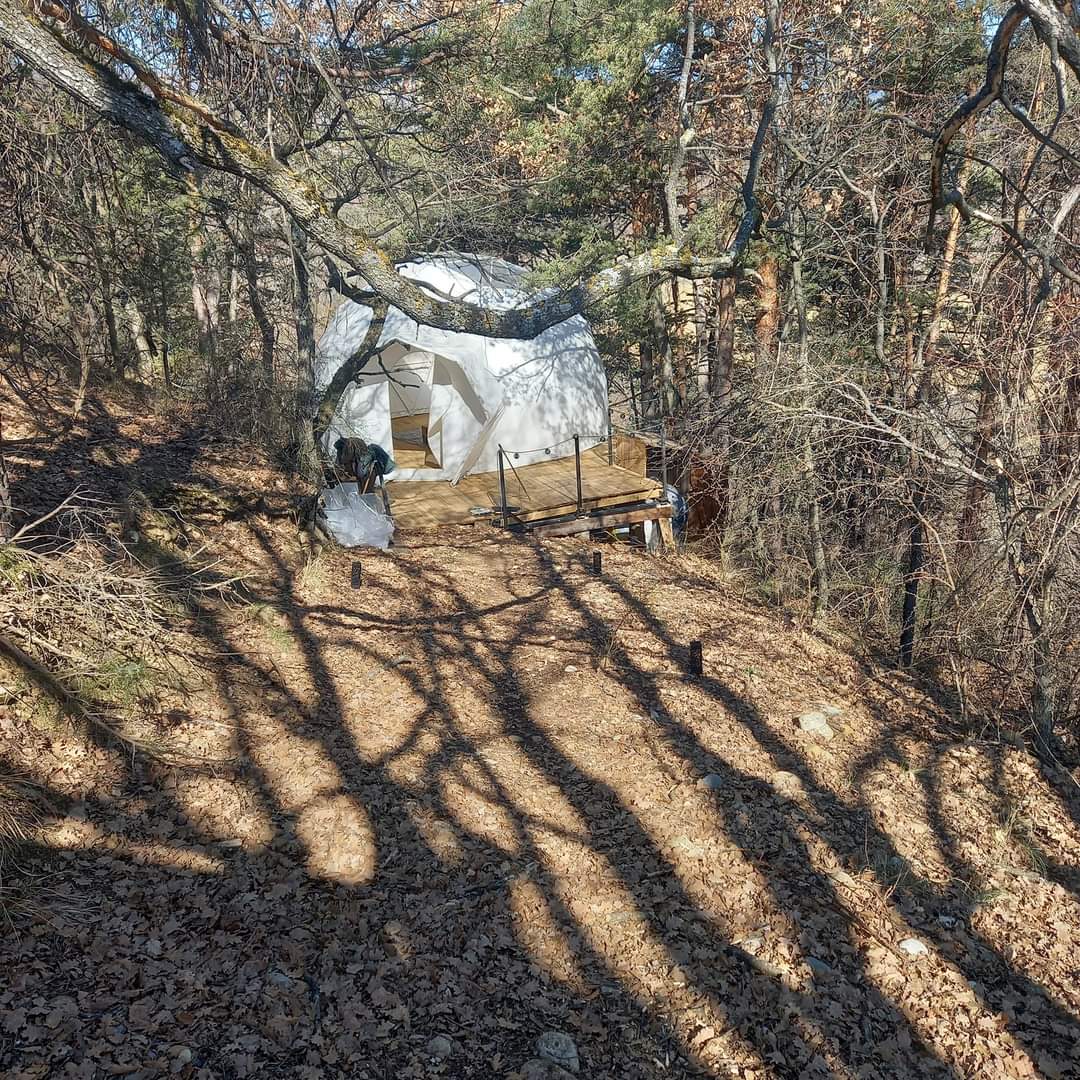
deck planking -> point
(546, 489)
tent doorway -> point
(408, 373)
(437, 415)
(411, 447)
(432, 416)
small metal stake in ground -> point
(596, 562)
(356, 574)
(695, 658)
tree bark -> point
(720, 390)
(205, 284)
(663, 349)
(145, 353)
(912, 577)
(7, 526)
(919, 381)
(163, 311)
(97, 203)
(767, 320)
(766, 334)
(967, 527)
(108, 311)
(819, 591)
(232, 310)
(267, 334)
(189, 136)
(84, 363)
(303, 431)
(648, 397)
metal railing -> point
(504, 459)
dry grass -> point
(18, 815)
(94, 634)
(19, 818)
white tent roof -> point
(531, 397)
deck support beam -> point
(611, 519)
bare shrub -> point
(91, 629)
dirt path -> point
(479, 798)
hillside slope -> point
(479, 798)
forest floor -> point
(478, 799)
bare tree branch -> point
(189, 135)
(987, 94)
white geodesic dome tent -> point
(465, 394)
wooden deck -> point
(546, 489)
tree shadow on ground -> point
(435, 827)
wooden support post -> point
(667, 536)
(596, 562)
(695, 658)
(663, 455)
(610, 440)
(356, 574)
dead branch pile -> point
(86, 626)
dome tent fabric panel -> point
(536, 394)
(458, 408)
(458, 414)
(408, 379)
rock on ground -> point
(913, 947)
(440, 1047)
(787, 783)
(557, 1047)
(816, 723)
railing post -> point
(663, 453)
(502, 490)
(577, 466)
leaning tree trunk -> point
(205, 284)
(303, 431)
(348, 371)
